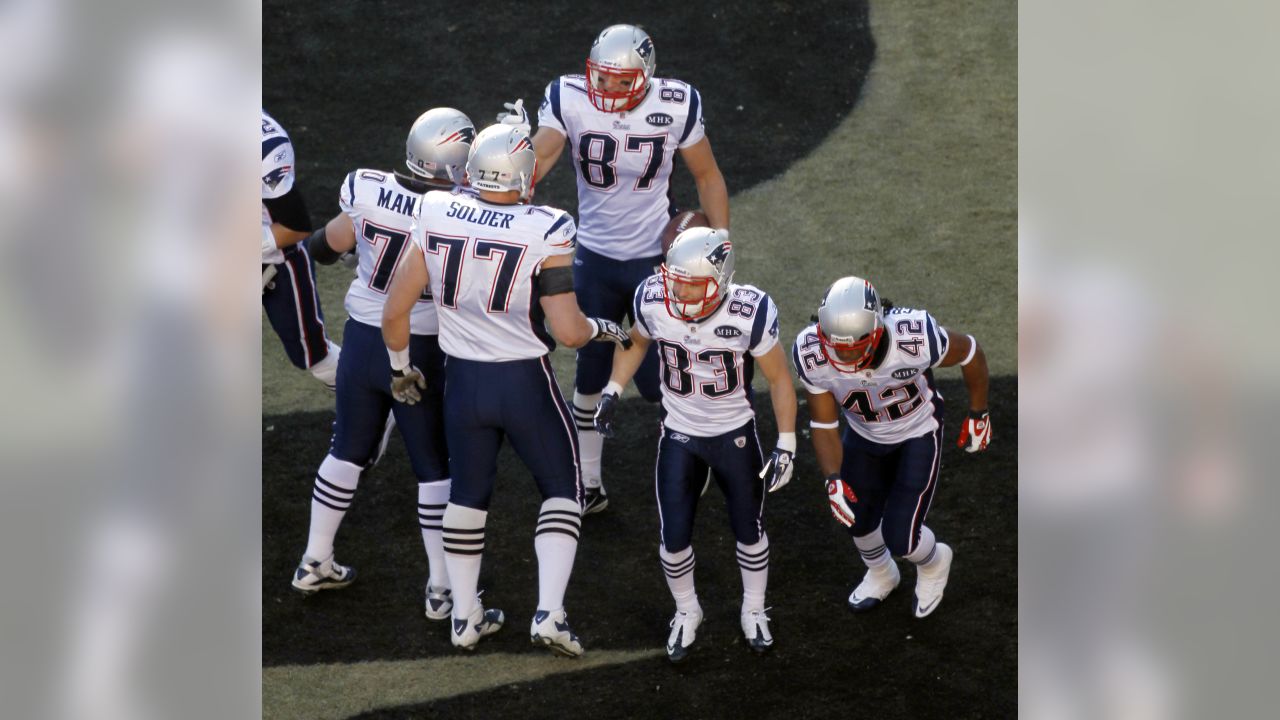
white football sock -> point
(590, 442)
(873, 550)
(555, 541)
(326, 371)
(463, 537)
(331, 495)
(433, 498)
(678, 567)
(923, 556)
(753, 560)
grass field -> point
(901, 168)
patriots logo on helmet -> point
(277, 176)
(466, 135)
(524, 143)
(645, 48)
(869, 299)
(720, 254)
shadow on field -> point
(960, 662)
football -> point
(680, 222)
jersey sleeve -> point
(637, 310)
(694, 125)
(549, 113)
(798, 365)
(278, 174)
(764, 327)
(562, 237)
(938, 340)
(347, 194)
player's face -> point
(614, 84)
(690, 292)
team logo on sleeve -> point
(277, 176)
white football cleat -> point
(551, 629)
(755, 629)
(684, 630)
(875, 587)
(314, 575)
(930, 583)
(466, 634)
(439, 603)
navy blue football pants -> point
(894, 484)
(735, 460)
(293, 308)
(605, 288)
(517, 400)
(364, 399)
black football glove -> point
(604, 414)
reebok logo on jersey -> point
(905, 373)
(679, 437)
(659, 119)
(728, 331)
(740, 441)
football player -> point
(288, 276)
(875, 366)
(710, 333)
(623, 127)
(498, 268)
(377, 215)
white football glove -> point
(516, 115)
(406, 384)
(777, 470)
(605, 330)
(840, 496)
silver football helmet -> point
(620, 68)
(850, 324)
(502, 159)
(438, 144)
(697, 273)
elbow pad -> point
(318, 246)
(555, 281)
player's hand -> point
(605, 411)
(840, 496)
(777, 470)
(605, 330)
(515, 115)
(406, 385)
(975, 433)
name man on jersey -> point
(709, 333)
(498, 268)
(875, 366)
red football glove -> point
(841, 498)
(975, 433)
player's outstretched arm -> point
(407, 284)
(625, 364)
(565, 319)
(713, 194)
(548, 145)
(333, 240)
(777, 470)
(964, 351)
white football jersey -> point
(483, 259)
(890, 403)
(278, 174)
(623, 161)
(382, 212)
(707, 365)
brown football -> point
(680, 222)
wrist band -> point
(399, 358)
(973, 349)
(787, 441)
(824, 426)
(612, 388)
